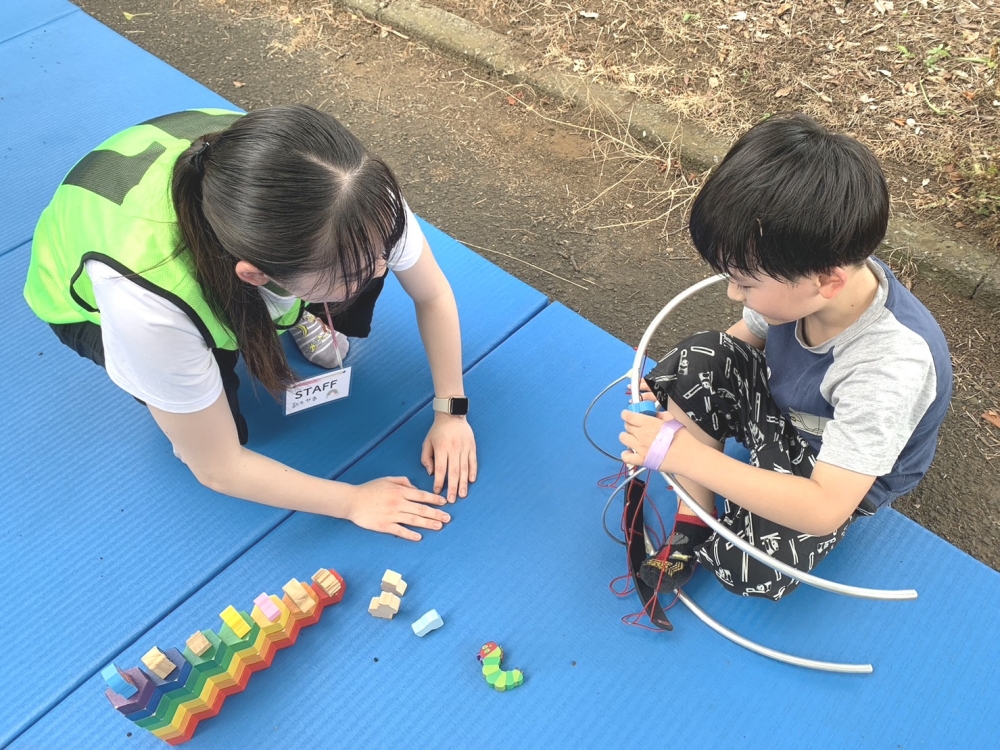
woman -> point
(181, 243)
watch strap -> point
(448, 405)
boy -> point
(837, 378)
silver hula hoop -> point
(729, 536)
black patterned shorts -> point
(721, 383)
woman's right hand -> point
(386, 504)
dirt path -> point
(504, 180)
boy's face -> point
(776, 300)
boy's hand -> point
(644, 393)
(640, 431)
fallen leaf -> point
(992, 417)
(785, 7)
(512, 101)
(128, 16)
(239, 84)
(782, 92)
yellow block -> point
(235, 621)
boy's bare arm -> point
(741, 331)
(818, 505)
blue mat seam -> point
(16, 246)
(41, 26)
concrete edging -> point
(965, 270)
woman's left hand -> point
(449, 451)
(640, 431)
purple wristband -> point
(661, 444)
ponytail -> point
(294, 193)
(237, 303)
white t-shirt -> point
(154, 352)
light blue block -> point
(116, 682)
(431, 621)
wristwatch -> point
(458, 406)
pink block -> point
(264, 603)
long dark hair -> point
(790, 199)
(293, 192)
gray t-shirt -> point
(871, 399)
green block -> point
(169, 704)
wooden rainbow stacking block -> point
(172, 690)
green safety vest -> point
(115, 206)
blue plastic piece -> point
(431, 621)
(116, 682)
(643, 407)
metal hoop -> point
(729, 536)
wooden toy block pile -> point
(386, 604)
(174, 690)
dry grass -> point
(650, 185)
(917, 80)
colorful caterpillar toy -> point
(490, 655)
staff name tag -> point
(322, 389)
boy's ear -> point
(832, 282)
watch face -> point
(459, 407)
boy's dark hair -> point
(791, 199)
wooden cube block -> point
(198, 644)
(299, 596)
(393, 583)
(385, 605)
(331, 584)
(157, 663)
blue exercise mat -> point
(93, 493)
(64, 88)
(526, 563)
(18, 17)
(91, 489)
